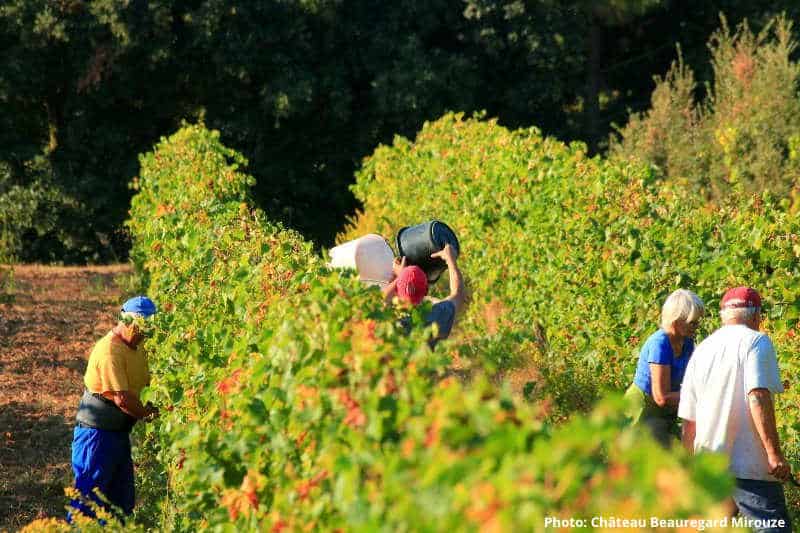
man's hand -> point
(446, 254)
(129, 403)
(778, 466)
(688, 435)
(398, 265)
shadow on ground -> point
(34, 463)
(46, 333)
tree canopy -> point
(303, 89)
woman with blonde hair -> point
(655, 392)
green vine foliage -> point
(581, 252)
(292, 400)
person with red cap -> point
(726, 405)
(410, 286)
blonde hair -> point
(681, 305)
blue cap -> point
(141, 305)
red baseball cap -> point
(740, 297)
(412, 284)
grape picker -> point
(115, 376)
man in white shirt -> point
(726, 405)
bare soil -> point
(49, 321)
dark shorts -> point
(762, 502)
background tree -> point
(304, 90)
(745, 133)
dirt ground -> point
(47, 327)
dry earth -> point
(47, 329)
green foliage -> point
(548, 283)
(291, 398)
(587, 249)
(743, 133)
(74, 83)
(341, 77)
(304, 89)
(30, 214)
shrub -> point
(744, 134)
(291, 398)
(37, 218)
(586, 249)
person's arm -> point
(130, 404)
(456, 280)
(761, 381)
(661, 383)
(763, 412)
(390, 290)
(688, 435)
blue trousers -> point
(762, 500)
(102, 459)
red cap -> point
(740, 297)
(412, 284)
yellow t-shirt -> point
(113, 366)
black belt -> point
(98, 412)
(101, 398)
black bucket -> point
(417, 243)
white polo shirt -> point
(723, 369)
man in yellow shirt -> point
(115, 376)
